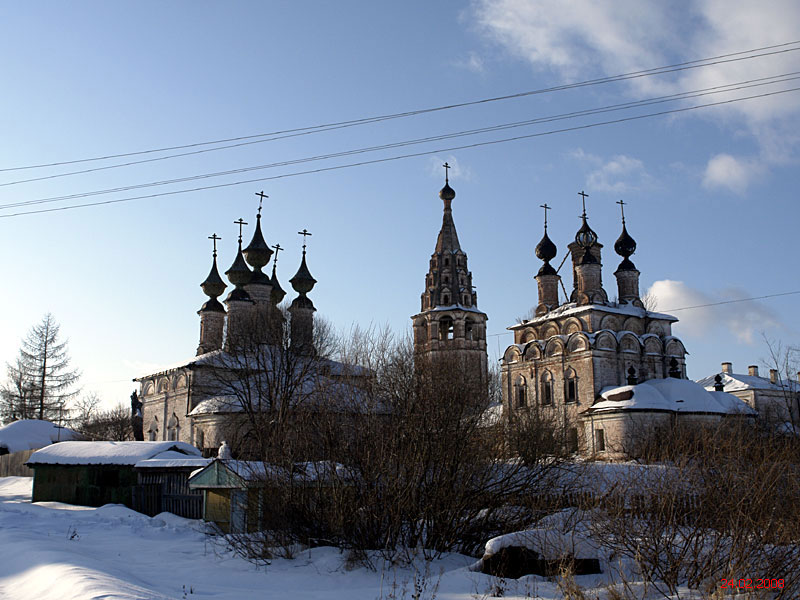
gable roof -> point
(106, 453)
(738, 382)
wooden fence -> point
(14, 464)
(159, 492)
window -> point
(172, 429)
(446, 299)
(446, 262)
(600, 440)
(571, 387)
(152, 432)
(547, 389)
(572, 439)
(445, 328)
(468, 324)
(522, 392)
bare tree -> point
(40, 382)
(785, 361)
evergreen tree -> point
(40, 382)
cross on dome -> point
(261, 196)
(240, 223)
(215, 237)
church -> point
(248, 354)
(601, 371)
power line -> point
(671, 310)
(624, 106)
(693, 64)
(403, 156)
(586, 112)
(733, 301)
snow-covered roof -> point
(493, 415)
(31, 434)
(737, 382)
(670, 394)
(173, 460)
(107, 453)
(572, 308)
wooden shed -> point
(163, 485)
(228, 488)
(94, 473)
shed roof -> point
(107, 453)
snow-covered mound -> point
(31, 434)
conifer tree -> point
(40, 382)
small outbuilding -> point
(95, 473)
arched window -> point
(468, 325)
(521, 392)
(547, 389)
(570, 386)
(172, 428)
(200, 439)
(152, 432)
(445, 328)
(572, 439)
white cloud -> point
(581, 39)
(726, 171)
(473, 62)
(619, 174)
(458, 171)
(745, 320)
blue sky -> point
(710, 193)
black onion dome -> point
(626, 265)
(546, 250)
(258, 251)
(447, 193)
(212, 305)
(213, 286)
(238, 293)
(303, 282)
(239, 273)
(586, 236)
(625, 244)
(547, 269)
(277, 293)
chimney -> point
(727, 367)
(773, 376)
(752, 370)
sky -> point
(710, 192)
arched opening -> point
(445, 328)
(570, 386)
(468, 327)
(152, 432)
(547, 389)
(521, 392)
(172, 428)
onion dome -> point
(239, 273)
(585, 237)
(303, 282)
(258, 251)
(277, 291)
(447, 193)
(625, 244)
(213, 286)
(546, 250)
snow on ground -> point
(54, 551)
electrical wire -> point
(693, 64)
(614, 107)
(624, 106)
(404, 156)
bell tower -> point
(449, 325)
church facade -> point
(187, 402)
(570, 351)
